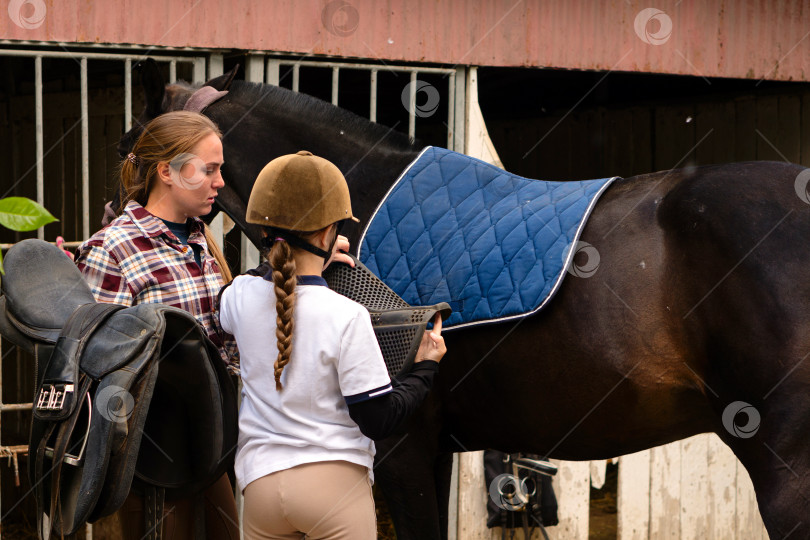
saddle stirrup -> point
(77, 459)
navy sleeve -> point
(378, 417)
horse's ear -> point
(223, 82)
(154, 86)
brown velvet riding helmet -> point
(299, 192)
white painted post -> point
(598, 471)
(477, 141)
(665, 492)
(749, 522)
(198, 69)
(633, 498)
(694, 486)
(216, 65)
(254, 72)
(722, 480)
(572, 485)
(272, 69)
(472, 497)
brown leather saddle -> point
(125, 398)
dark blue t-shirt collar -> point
(302, 280)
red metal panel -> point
(727, 38)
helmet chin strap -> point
(331, 247)
(287, 236)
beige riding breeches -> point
(324, 500)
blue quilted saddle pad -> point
(492, 244)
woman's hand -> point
(432, 346)
(339, 252)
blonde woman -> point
(316, 391)
(158, 251)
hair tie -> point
(135, 160)
(279, 239)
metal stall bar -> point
(127, 58)
(335, 75)
(451, 112)
(458, 103)
(372, 113)
(85, 153)
(412, 107)
(127, 94)
(12, 452)
(40, 136)
(455, 109)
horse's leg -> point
(443, 467)
(405, 467)
(406, 476)
(745, 307)
(779, 466)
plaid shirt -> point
(137, 259)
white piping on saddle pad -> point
(557, 283)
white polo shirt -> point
(335, 359)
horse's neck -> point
(370, 173)
(371, 163)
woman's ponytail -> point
(213, 249)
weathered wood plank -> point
(665, 491)
(767, 127)
(804, 149)
(694, 487)
(749, 523)
(719, 118)
(789, 135)
(573, 488)
(745, 136)
(598, 471)
(633, 499)
(472, 497)
(642, 150)
(722, 490)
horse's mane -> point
(308, 108)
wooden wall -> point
(637, 139)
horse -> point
(700, 304)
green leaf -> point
(22, 214)
(1, 263)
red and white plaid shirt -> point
(136, 259)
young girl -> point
(309, 415)
(158, 251)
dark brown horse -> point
(701, 300)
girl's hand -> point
(339, 252)
(432, 346)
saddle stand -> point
(109, 378)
